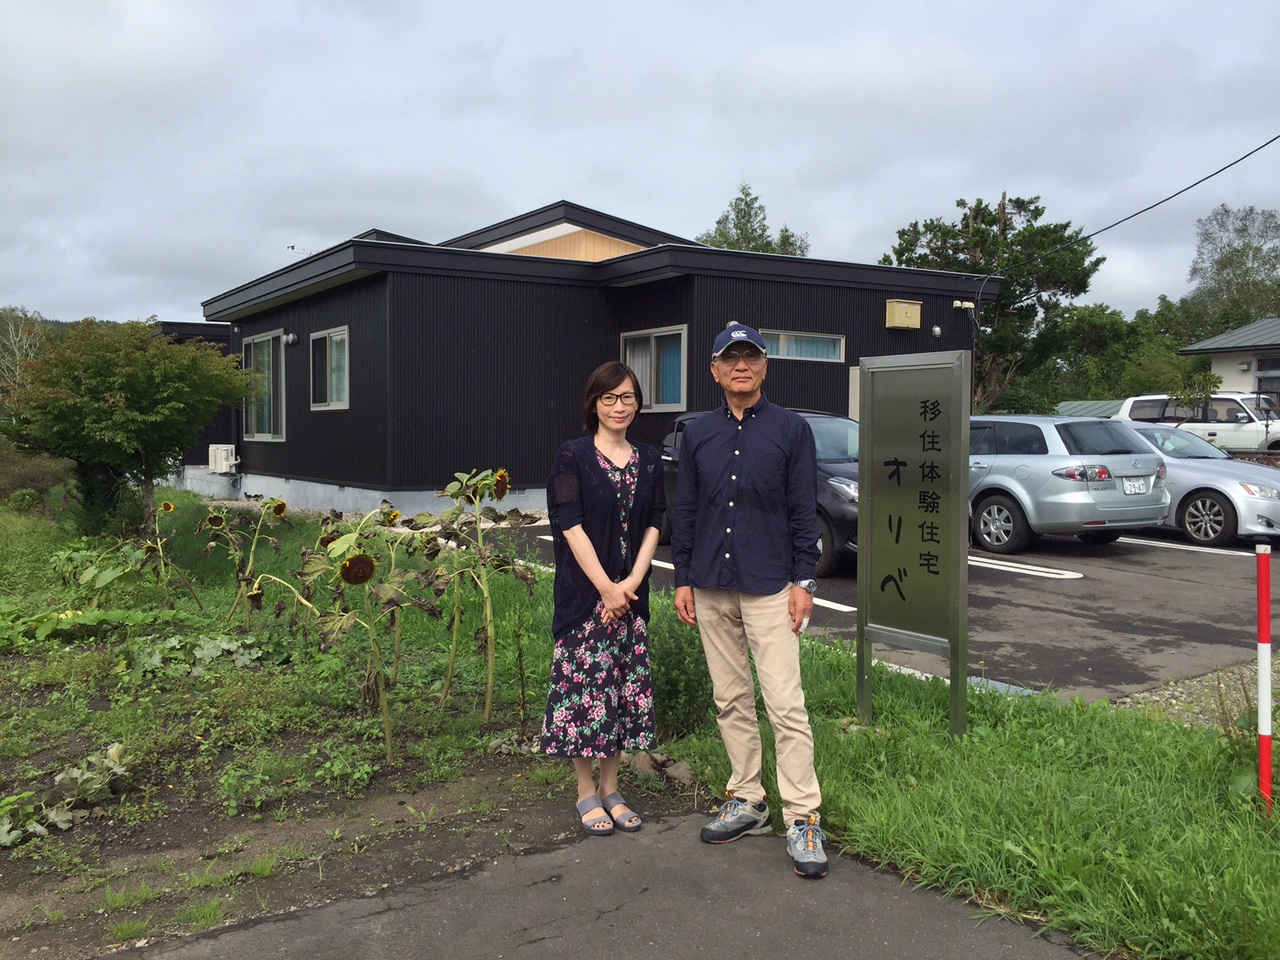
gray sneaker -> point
(737, 819)
(804, 843)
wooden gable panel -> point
(580, 245)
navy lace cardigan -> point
(579, 492)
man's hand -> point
(799, 605)
(684, 606)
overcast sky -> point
(156, 154)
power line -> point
(1071, 243)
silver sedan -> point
(1214, 497)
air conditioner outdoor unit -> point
(222, 458)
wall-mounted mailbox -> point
(902, 314)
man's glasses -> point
(732, 359)
(626, 399)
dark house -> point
(389, 363)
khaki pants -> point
(732, 623)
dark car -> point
(837, 441)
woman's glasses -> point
(626, 399)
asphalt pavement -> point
(656, 893)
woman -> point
(605, 498)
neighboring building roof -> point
(1253, 336)
(1089, 408)
(388, 237)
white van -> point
(1232, 420)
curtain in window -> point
(639, 357)
(667, 384)
(338, 368)
(815, 348)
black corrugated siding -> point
(455, 373)
(488, 373)
(331, 446)
(857, 315)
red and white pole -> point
(1264, 671)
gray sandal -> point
(611, 803)
(595, 826)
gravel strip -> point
(1213, 700)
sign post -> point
(1263, 551)
(913, 524)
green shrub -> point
(25, 500)
(34, 471)
(682, 694)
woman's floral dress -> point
(601, 699)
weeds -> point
(201, 916)
(131, 928)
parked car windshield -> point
(1098, 438)
(1182, 445)
(836, 439)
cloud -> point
(158, 154)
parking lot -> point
(1094, 621)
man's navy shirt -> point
(745, 515)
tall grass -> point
(1113, 825)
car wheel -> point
(1099, 537)
(827, 559)
(1209, 519)
(1000, 526)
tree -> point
(22, 336)
(743, 227)
(1236, 268)
(123, 402)
(1079, 353)
(1039, 265)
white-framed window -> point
(789, 345)
(658, 358)
(264, 413)
(329, 369)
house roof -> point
(1088, 408)
(554, 220)
(1253, 336)
(474, 255)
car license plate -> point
(1135, 485)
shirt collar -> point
(751, 411)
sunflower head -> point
(501, 484)
(327, 539)
(393, 517)
(279, 507)
(358, 569)
(167, 507)
(215, 520)
(255, 599)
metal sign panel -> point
(913, 524)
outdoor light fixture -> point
(1244, 366)
(290, 338)
(937, 330)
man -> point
(745, 542)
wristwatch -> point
(810, 585)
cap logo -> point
(738, 334)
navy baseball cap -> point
(738, 333)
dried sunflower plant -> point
(368, 587)
(239, 536)
(475, 561)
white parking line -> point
(1024, 568)
(1189, 547)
